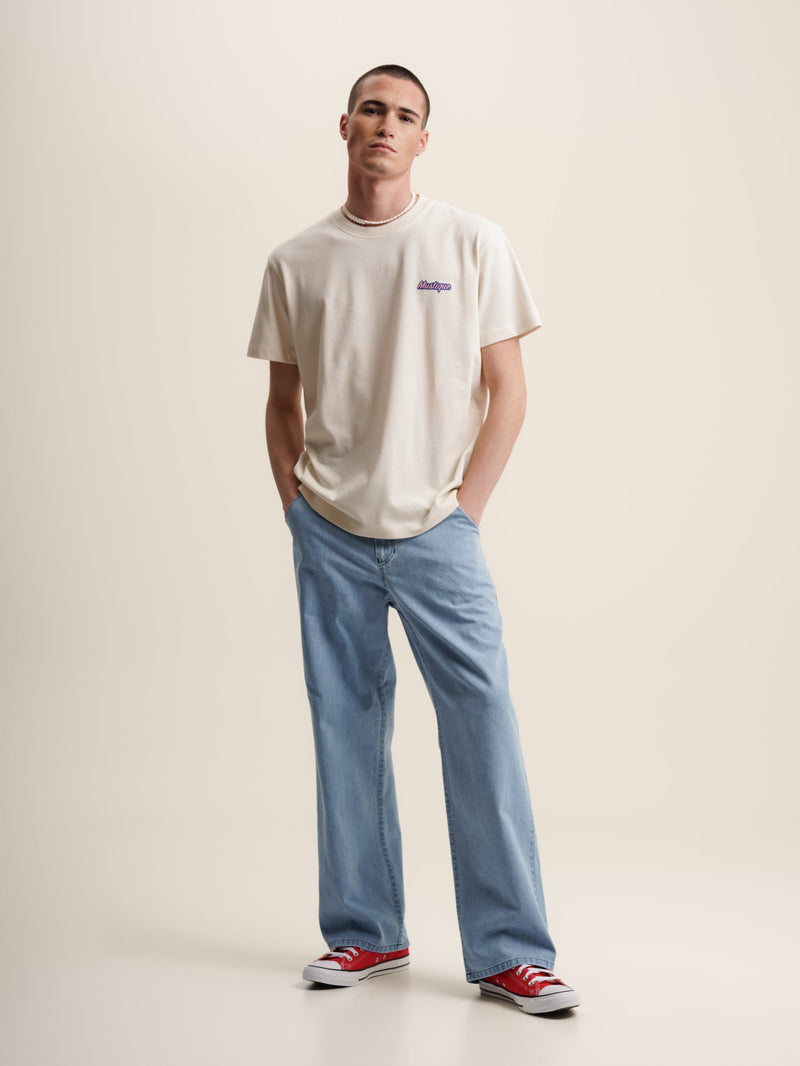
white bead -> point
(382, 221)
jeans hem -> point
(367, 945)
(522, 960)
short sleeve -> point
(505, 305)
(272, 332)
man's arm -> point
(284, 427)
(505, 379)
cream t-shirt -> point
(386, 325)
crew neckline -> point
(371, 233)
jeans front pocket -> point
(291, 506)
(471, 521)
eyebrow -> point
(380, 103)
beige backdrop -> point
(157, 778)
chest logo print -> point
(436, 286)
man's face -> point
(384, 133)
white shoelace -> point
(344, 953)
(533, 974)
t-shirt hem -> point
(358, 528)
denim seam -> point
(535, 873)
(532, 850)
(451, 832)
(381, 778)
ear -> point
(343, 121)
(423, 142)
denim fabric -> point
(439, 584)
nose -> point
(385, 128)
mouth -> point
(380, 147)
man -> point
(396, 319)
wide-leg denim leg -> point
(350, 678)
(444, 594)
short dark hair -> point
(394, 71)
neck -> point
(376, 200)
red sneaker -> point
(533, 989)
(348, 966)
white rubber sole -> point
(534, 1004)
(321, 975)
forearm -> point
(285, 443)
(493, 447)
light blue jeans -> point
(439, 584)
